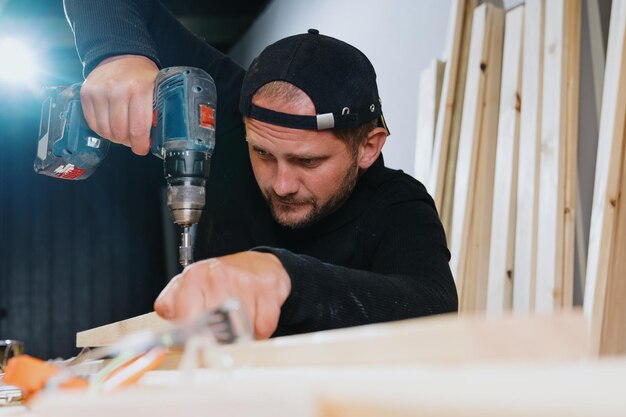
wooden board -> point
(570, 209)
(589, 389)
(528, 167)
(612, 338)
(451, 104)
(537, 390)
(428, 105)
(500, 278)
(556, 196)
(110, 333)
(444, 339)
(479, 242)
(468, 146)
(457, 115)
(604, 306)
(477, 143)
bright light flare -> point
(19, 65)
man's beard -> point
(317, 212)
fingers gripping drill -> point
(183, 135)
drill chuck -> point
(186, 173)
(186, 201)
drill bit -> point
(184, 250)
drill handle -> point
(67, 148)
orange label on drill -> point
(207, 116)
(69, 172)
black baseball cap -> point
(338, 78)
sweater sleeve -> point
(105, 28)
(408, 277)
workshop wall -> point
(73, 255)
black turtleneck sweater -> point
(381, 256)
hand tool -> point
(9, 395)
(9, 349)
(132, 356)
(182, 134)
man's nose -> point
(285, 181)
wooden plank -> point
(549, 240)
(590, 389)
(451, 104)
(441, 339)
(477, 269)
(111, 333)
(428, 105)
(547, 390)
(553, 276)
(602, 281)
(477, 142)
(451, 57)
(445, 339)
(528, 168)
(570, 210)
(455, 128)
(499, 290)
(468, 146)
(613, 332)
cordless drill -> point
(182, 134)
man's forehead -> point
(293, 141)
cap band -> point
(282, 119)
(317, 122)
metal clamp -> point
(8, 349)
(9, 395)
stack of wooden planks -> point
(505, 180)
(605, 290)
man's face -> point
(303, 174)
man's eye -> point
(260, 152)
(308, 161)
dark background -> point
(79, 254)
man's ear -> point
(371, 147)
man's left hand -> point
(257, 279)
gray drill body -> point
(182, 134)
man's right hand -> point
(117, 100)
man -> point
(310, 231)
